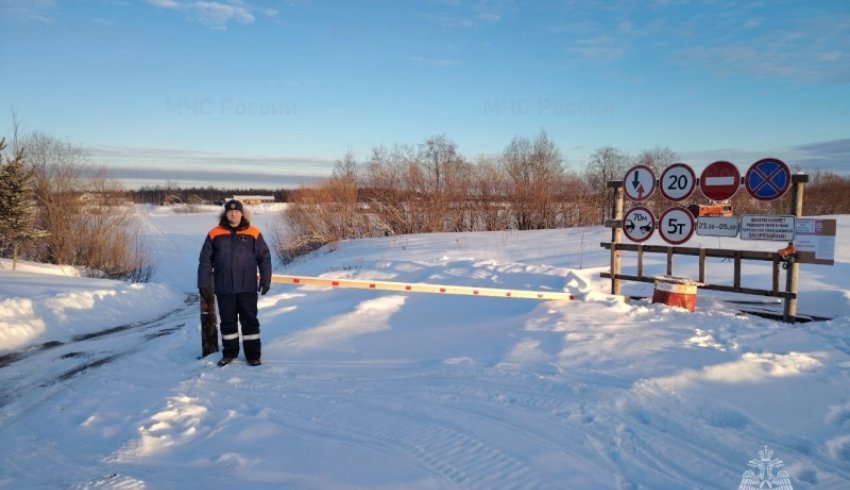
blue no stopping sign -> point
(768, 179)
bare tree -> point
(548, 175)
(489, 191)
(606, 163)
(517, 162)
(657, 159)
(86, 215)
(347, 168)
(534, 170)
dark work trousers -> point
(241, 307)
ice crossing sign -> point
(768, 179)
(639, 183)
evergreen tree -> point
(17, 206)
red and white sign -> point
(720, 180)
(639, 183)
(678, 181)
(638, 224)
(676, 225)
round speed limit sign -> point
(676, 225)
(678, 181)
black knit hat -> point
(233, 204)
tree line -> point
(159, 194)
(432, 187)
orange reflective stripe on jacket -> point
(218, 231)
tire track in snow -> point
(381, 414)
(24, 372)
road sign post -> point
(718, 182)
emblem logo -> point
(764, 473)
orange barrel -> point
(676, 292)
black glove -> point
(263, 289)
(206, 292)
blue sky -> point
(236, 91)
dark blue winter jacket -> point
(231, 256)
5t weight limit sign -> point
(676, 225)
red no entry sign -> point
(720, 180)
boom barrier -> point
(418, 287)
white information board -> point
(815, 240)
(717, 226)
(769, 227)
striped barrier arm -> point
(418, 287)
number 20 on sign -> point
(677, 182)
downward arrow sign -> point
(636, 181)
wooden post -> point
(640, 260)
(617, 236)
(775, 282)
(736, 280)
(670, 261)
(789, 315)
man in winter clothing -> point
(232, 253)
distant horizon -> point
(270, 172)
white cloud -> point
(166, 4)
(490, 11)
(216, 15)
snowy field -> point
(101, 385)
